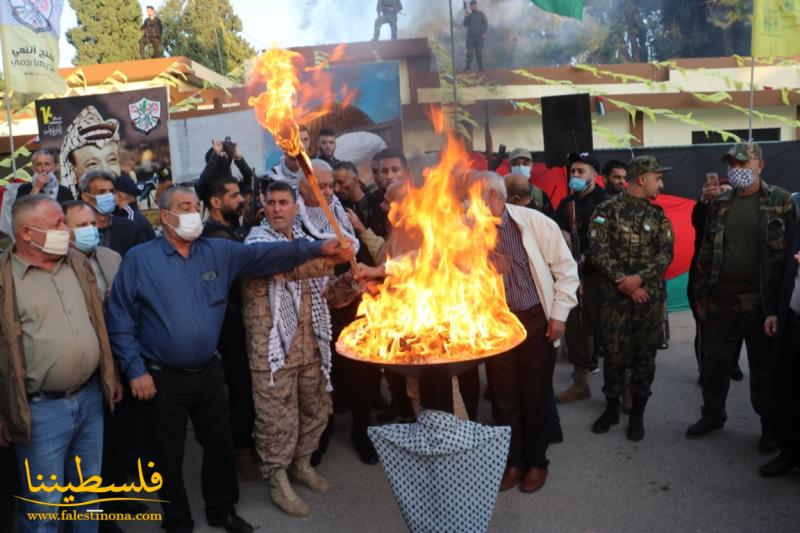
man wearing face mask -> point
(631, 245)
(126, 194)
(574, 215)
(119, 437)
(225, 204)
(737, 279)
(526, 193)
(117, 233)
(56, 365)
(164, 316)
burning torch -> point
(278, 110)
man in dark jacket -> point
(219, 158)
(477, 25)
(126, 193)
(151, 33)
(574, 215)
(225, 204)
(44, 179)
(117, 233)
(784, 418)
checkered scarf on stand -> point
(285, 300)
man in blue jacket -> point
(164, 317)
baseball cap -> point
(520, 152)
(743, 152)
(644, 164)
(125, 184)
(584, 157)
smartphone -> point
(712, 179)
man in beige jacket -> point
(541, 280)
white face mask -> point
(56, 241)
(190, 225)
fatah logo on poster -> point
(33, 14)
(145, 115)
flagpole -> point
(453, 62)
(7, 98)
(752, 97)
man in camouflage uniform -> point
(737, 278)
(387, 14)
(631, 246)
(288, 343)
(477, 25)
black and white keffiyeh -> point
(285, 301)
(317, 224)
(281, 172)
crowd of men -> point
(113, 338)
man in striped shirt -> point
(541, 281)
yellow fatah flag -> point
(29, 32)
(776, 28)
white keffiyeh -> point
(317, 224)
(285, 300)
(281, 172)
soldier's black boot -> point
(635, 431)
(609, 417)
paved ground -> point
(597, 483)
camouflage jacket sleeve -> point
(777, 242)
(257, 318)
(603, 257)
(705, 256)
(313, 268)
(665, 239)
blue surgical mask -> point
(86, 238)
(105, 203)
(521, 169)
(577, 184)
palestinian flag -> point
(567, 8)
(682, 187)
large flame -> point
(287, 102)
(445, 301)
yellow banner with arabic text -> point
(29, 33)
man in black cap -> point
(574, 215)
(477, 25)
(126, 194)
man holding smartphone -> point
(737, 276)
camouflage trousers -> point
(629, 336)
(475, 49)
(734, 314)
(582, 322)
(391, 20)
(290, 416)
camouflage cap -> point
(519, 152)
(644, 164)
(743, 152)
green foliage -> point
(206, 31)
(107, 31)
